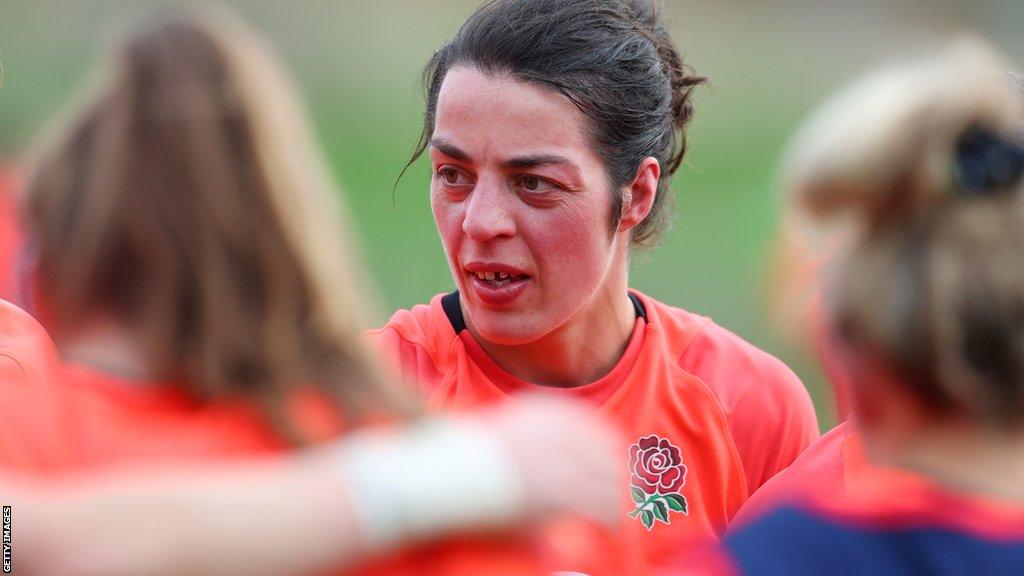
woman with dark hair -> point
(553, 128)
(926, 163)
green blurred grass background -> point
(358, 64)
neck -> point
(579, 352)
(967, 459)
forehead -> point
(503, 116)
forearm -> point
(296, 515)
(247, 519)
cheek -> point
(447, 218)
(572, 246)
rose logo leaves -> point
(657, 476)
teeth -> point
(493, 275)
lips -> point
(496, 284)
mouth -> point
(498, 279)
(496, 284)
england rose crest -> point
(657, 476)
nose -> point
(489, 212)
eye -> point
(452, 176)
(534, 184)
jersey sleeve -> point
(772, 424)
(770, 414)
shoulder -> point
(789, 541)
(417, 343)
(735, 370)
(770, 414)
(29, 398)
(424, 325)
(752, 385)
(680, 327)
(25, 342)
(818, 469)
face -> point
(522, 205)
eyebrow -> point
(448, 149)
(539, 160)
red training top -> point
(708, 417)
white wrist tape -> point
(440, 476)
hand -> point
(566, 455)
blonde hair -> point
(185, 199)
(933, 284)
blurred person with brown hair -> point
(927, 310)
(213, 519)
(552, 129)
(190, 263)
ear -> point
(638, 196)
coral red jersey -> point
(64, 419)
(708, 417)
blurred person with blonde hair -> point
(189, 261)
(926, 307)
(800, 262)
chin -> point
(505, 331)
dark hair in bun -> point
(614, 59)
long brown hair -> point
(184, 199)
(926, 158)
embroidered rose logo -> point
(657, 475)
